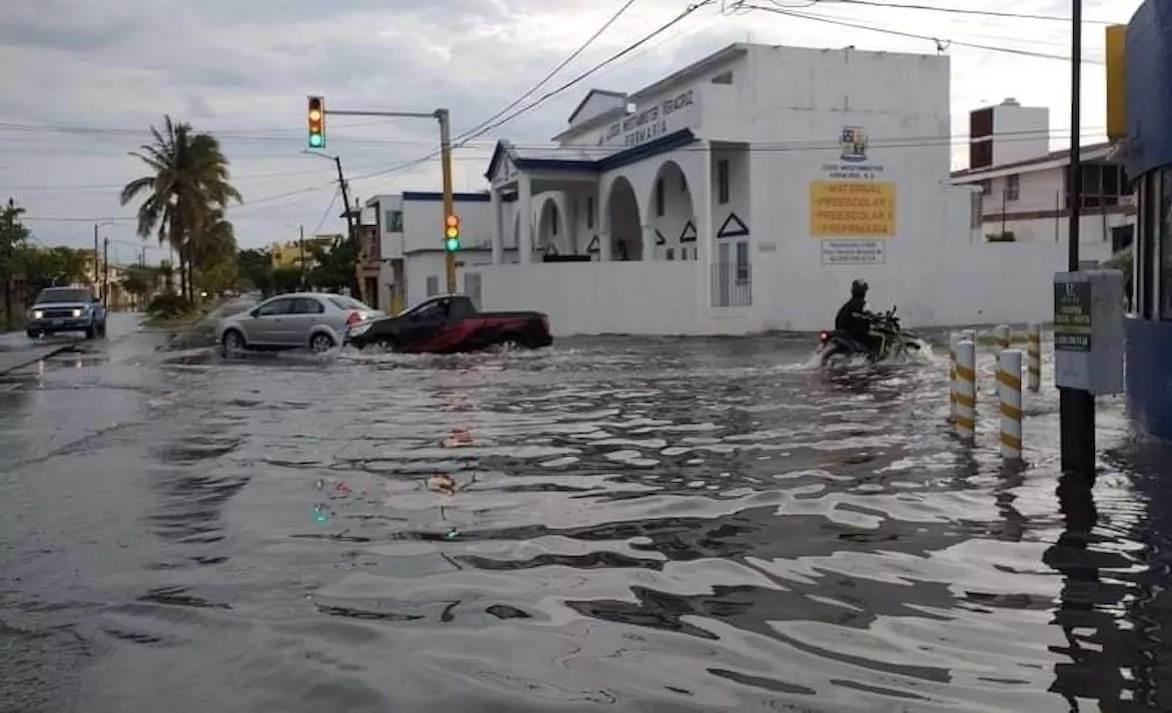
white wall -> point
(597, 297)
(1020, 133)
(423, 224)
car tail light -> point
(824, 337)
(353, 319)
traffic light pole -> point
(449, 207)
(446, 159)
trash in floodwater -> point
(321, 515)
(343, 489)
(460, 438)
(442, 482)
(452, 534)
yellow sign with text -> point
(852, 209)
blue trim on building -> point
(626, 157)
(1149, 87)
(1149, 375)
(492, 162)
(435, 196)
(555, 164)
(674, 140)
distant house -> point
(1025, 190)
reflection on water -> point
(654, 524)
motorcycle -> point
(890, 341)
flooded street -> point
(611, 524)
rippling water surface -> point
(613, 524)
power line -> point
(326, 214)
(573, 55)
(941, 43)
(961, 11)
(618, 55)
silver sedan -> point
(316, 320)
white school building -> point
(742, 194)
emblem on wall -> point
(853, 143)
(688, 234)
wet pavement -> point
(612, 524)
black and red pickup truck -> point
(448, 324)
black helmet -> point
(859, 288)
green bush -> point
(168, 306)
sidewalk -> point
(17, 350)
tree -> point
(51, 267)
(13, 235)
(188, 180)
(335, 265)
(286, 279)
(140, 281)
(256, 267)
(219, 276)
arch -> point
(551, 226)
(621, 220)
(671, 213)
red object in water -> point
(824, 337)
(353, 319)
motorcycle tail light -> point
(824, 337)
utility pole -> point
(449, 203)
(345, 199)
(106, 273)
(95, 254)
(301, 228)
(1076, 406)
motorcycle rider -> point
(854, 320)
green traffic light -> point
(452, 244)
(315, 141)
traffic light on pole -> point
(317, 122)
(452, 233)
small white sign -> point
(854, 252)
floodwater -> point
(612, 524)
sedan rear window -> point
(343, 302)
(63, 295)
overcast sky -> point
(242, 68)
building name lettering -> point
(651, 123)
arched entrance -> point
(551, 229)
(622, 215)
(672, 214)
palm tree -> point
(189, 179)
(215, 241)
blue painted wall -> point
(1149, 87)
(1149, 375)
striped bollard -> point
(1001, 337)
(970, 335)
(953, 338)
(1034, 353)
(1009, 390)
(966, 391)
